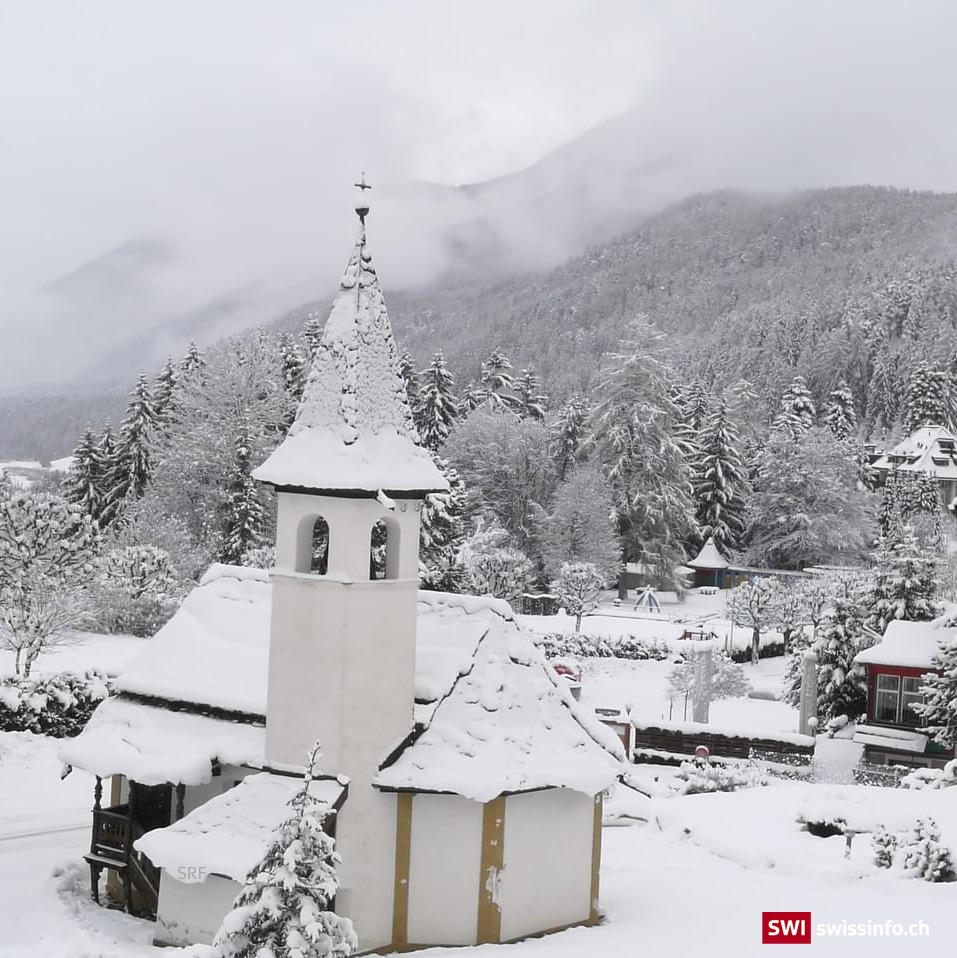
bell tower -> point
(349, 476)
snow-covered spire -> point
(353, 430)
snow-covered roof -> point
(153, 745)
(509, 724)
(931, 450)
(230, 833)
(893, 738)
(907, 645)
(353, 429)
(709, 557)
(212, 657)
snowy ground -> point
(697, 876)
(109, 653)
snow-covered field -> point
(696, 876)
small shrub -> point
(695, 778)
(58, 706)
(884, 844)
(575, 645)
(922, 778)
(925, 857)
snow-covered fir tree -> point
(441, 534)
(84, 482)
(839, 413)
(884, 845)
(438, 408)
(192, 363)
(311, 336)
(634, 434)
(244, 521)
(925, 857)
(411, 380)
(496, 384)
(133, 459)
(568, 435)
(283, 908)
(294, 366)
(163, 389)
(530, 402)
(720, 482)
(695, 407)
(926, 400)
(939, 705)
(578, 587)
(842, 685)
(905, 582)
(797, 412)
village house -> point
(464, 782)
(931, 451)
(893, 733)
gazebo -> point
(710, 567)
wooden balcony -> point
(115, 830)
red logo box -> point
(785, 927)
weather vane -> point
(362, 205)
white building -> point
(467, 782)
(931, 451)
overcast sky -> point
(231, 128)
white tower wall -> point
(342, 670)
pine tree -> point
(797, 413)
(496, 384)
(293, 366)
(133, 458)
(411, 380)
(939, 706)
(839, 414)
(83, 485)
(568, 434)
(530, 402)
(884, 844)
(163, 390)
(282, 909)
(720, 483)
(841, 685)
(635, 424)
(925, 857)
(906, 582)
(243, 527)
(311, 337)
(441, 533)
(192, 363)
(695, 407)
(437, 405)
(926, 402)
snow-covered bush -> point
(925, 857)
(924, 778)
(135, 591)
(884, 844)
(59, 705)
(262, 557)
(494, 566)
(575, 645)
(282, 909)
(695, 778)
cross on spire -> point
(362, 205)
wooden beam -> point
(595, 858)
(403, 855)
(489, 930)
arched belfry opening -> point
(312, 546)
(384, 550)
